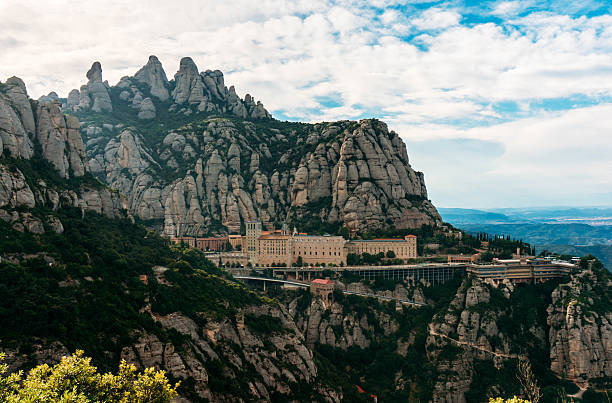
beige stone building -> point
(280, 247)
(274, 249)
(402, 248)
(237, 241)
(253, 232)
(318, 249)
(233, 258)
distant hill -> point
(571, 230)
(549, 234)
(602, 252)
(458, 216)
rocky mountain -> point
(76, 271)
(37, 133)
(465, 344)
(193, 158)
(580, 334)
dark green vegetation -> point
(446, 240)
(92, 271)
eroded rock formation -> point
(581, 329)
(61, 145)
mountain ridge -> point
(193, 158)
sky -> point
(500, 103)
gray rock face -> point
(207, 91)
(95, 95)
(358, 171)
(189, 86)
(98, 91)
(16, 132)
(286, 358)
(153, 74)
(73, 100)
(61, 144)
(50, 97)
(147, 109)
(16, 92)
(61, 140)
(14, 190)
(331, 325)
(580, 335)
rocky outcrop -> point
(580, 333)
(270, 364)
(17, 94)
(463, 334)
(337, 326)
(207, 92)
(61, 145)
(61, 141)
(95, 95)
(97, 90)
(147, 110)
(17, 126)
(154, 75)
(58, 135)
(286, 359)
(50, 97)
(353, 174)
(211, 174)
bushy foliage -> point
(74, 379)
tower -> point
(253, 232)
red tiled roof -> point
(274, 236)
(322, 281)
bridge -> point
(275, 280)
(307, 285)
(432, 273)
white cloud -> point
(435, 18)
(555, 159)
(510, 8)
(288, 53)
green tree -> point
(391, 254)
(352, 259)
(74, 379)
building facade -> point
(522, 270)
(402, 248)
(211, 243)
(314, 249)
(208, 244)
(282, 248)
(253, 232)
(322, 288)
(237, 241)
(274, 250)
